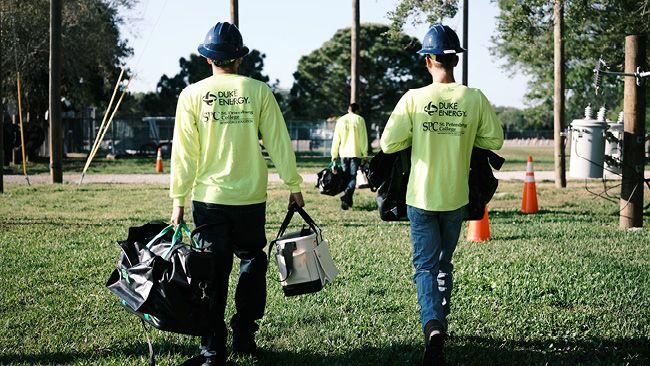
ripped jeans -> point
(434, 235)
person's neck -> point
(443, 77)
(222, 71)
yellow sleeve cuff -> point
(179, 202)
(294, 188)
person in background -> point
(442, 122)
(350, 143)
(217, 161)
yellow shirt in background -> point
(216, 152)
(350, 139)
(442, 122)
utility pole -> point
(558, 99)
(634, 134)
(354, 49)
(465, 26)
(234, 12)
(2, 110)
(56, 130)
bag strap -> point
(162, 233)
(152, 355)
(293, 208)
(178, 239)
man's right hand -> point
(177, 215)
(297, 199)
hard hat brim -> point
(437, 51)
(221, 55)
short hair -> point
(447, 60)
(354, 107)
(224, 63)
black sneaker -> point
(244, 345)
(434, 345)
(201, 360)
(243, 337)
(344, 202)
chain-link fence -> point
(142, 136)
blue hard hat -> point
(223, 42)
(440, 40)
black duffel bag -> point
(332, 180)
(165, 282)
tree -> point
(193, 69)
(419, 11)
(592, 28)
(389, 67)
(91, 44)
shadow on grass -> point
(460, 351)
(572, 214)
(60, 222)
(365, 206)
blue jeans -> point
(350, 166)
(237, 230)
(434, 235)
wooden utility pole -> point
(634, 136)
(54, 115)
(234, 12)
(465, 27)
(2, 110)
(558, 99)
(354, 49)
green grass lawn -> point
(561, 287)
(516, 158)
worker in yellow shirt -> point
(442, 122)
(350, 143)
(217, 162)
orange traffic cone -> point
(529, 201)
(479, 230)
(159, 162)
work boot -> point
(243, 338)
(201, 360)
(434, 342)
(349, 194)
(344, 202)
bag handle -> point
(162, 233)
(176, 238)
(293, 208)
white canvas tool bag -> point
(303, 257)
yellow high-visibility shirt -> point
(350, 138)
(442, 122)
(216, 152)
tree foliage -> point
(91, 46)
(419, 11)
(524, 39)
(388, 68)
(193, 69)
(529, 119)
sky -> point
(162, 31)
